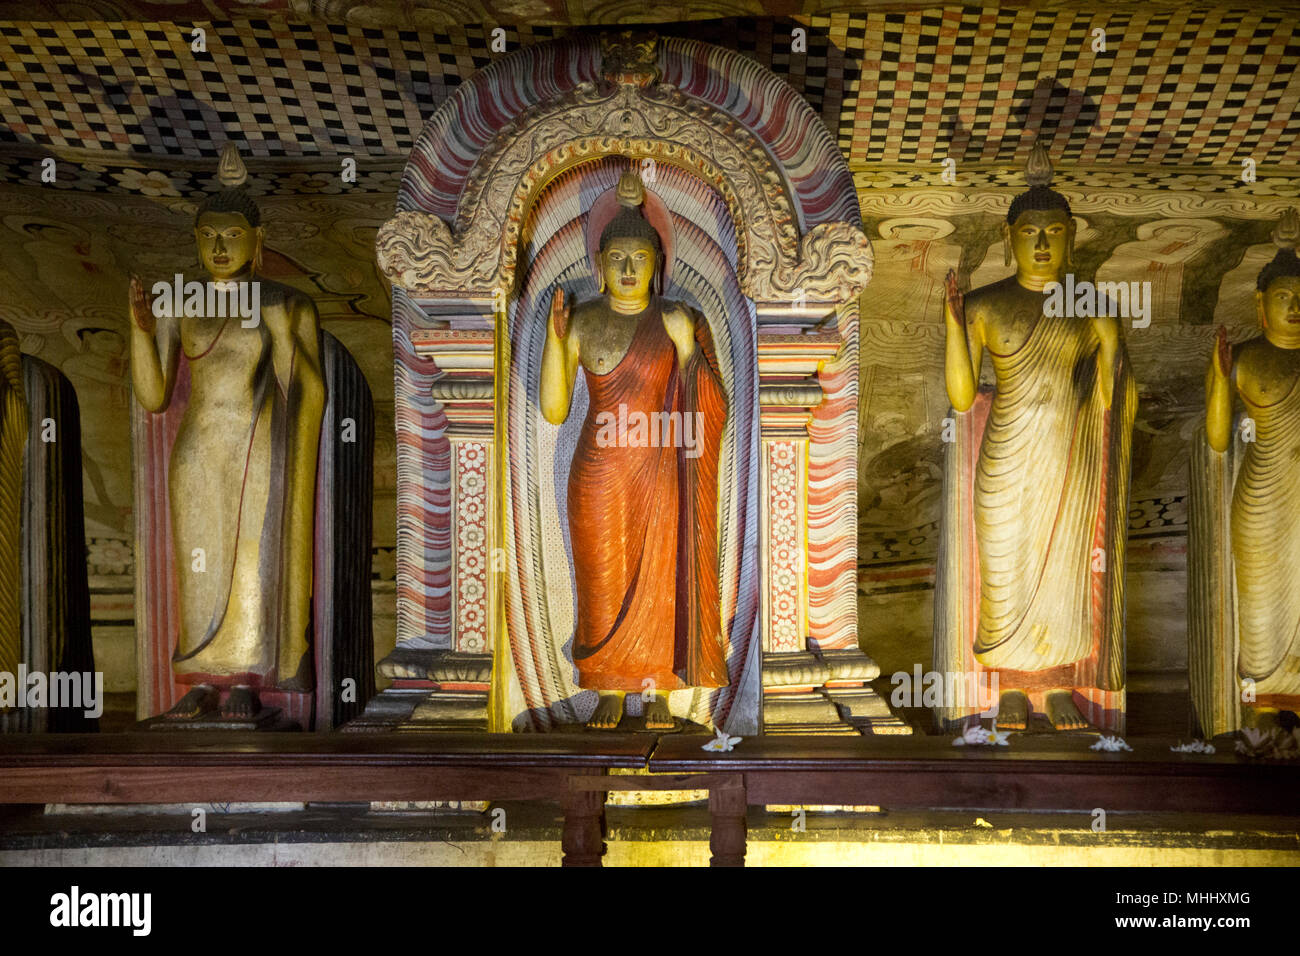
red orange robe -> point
(643, 520)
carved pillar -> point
(456, 680)
(806, 689)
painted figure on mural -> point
(643, 485)
(242, 475)
(1041, 485)
(1261, 492)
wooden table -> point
(230, 767)
(1032, 773)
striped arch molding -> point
(490, 218)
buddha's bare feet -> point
(1062, 712)
(609, 711)
(199, 701)
(657, 714)
(241, 702)
(1013, 711)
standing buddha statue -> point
(242, 473)
(1030, 591)
(643, 513)
(1244, 650)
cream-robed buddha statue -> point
(242, 473)
(1244, 546)
(1029, 616)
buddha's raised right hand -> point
(141, 307)
(1218, 394)
(559, 318)
(1222, 353)
(954, 304)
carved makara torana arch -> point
(457, 252)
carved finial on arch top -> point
(630, 57)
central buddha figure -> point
(643, 485)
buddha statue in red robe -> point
(643, 484)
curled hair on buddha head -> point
(234, 196)
(1286, 236)
(1038, 173)
(629, 222)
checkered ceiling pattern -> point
(1171, 87)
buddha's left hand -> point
(680, 326)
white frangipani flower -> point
(722, 743)
(977, 736)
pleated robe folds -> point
(643, 519)
(233, 491)
(1031, 564)
(1266, 548)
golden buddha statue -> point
(1256, 599)
(642, 501)
(13, 442)
(242, 474)
(1038, 478)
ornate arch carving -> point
(629, 112)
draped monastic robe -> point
(643, 518)
(1031, 564)
(1243, 549)
(1266, 547)
(1042, 492)
(238, 497)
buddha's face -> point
(628, 267)
(227, 243)
(1279, 307)
(1041, 242)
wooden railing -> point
(572, 770)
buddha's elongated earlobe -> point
(1259, 311)
(600, 280)
(1006, 244)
